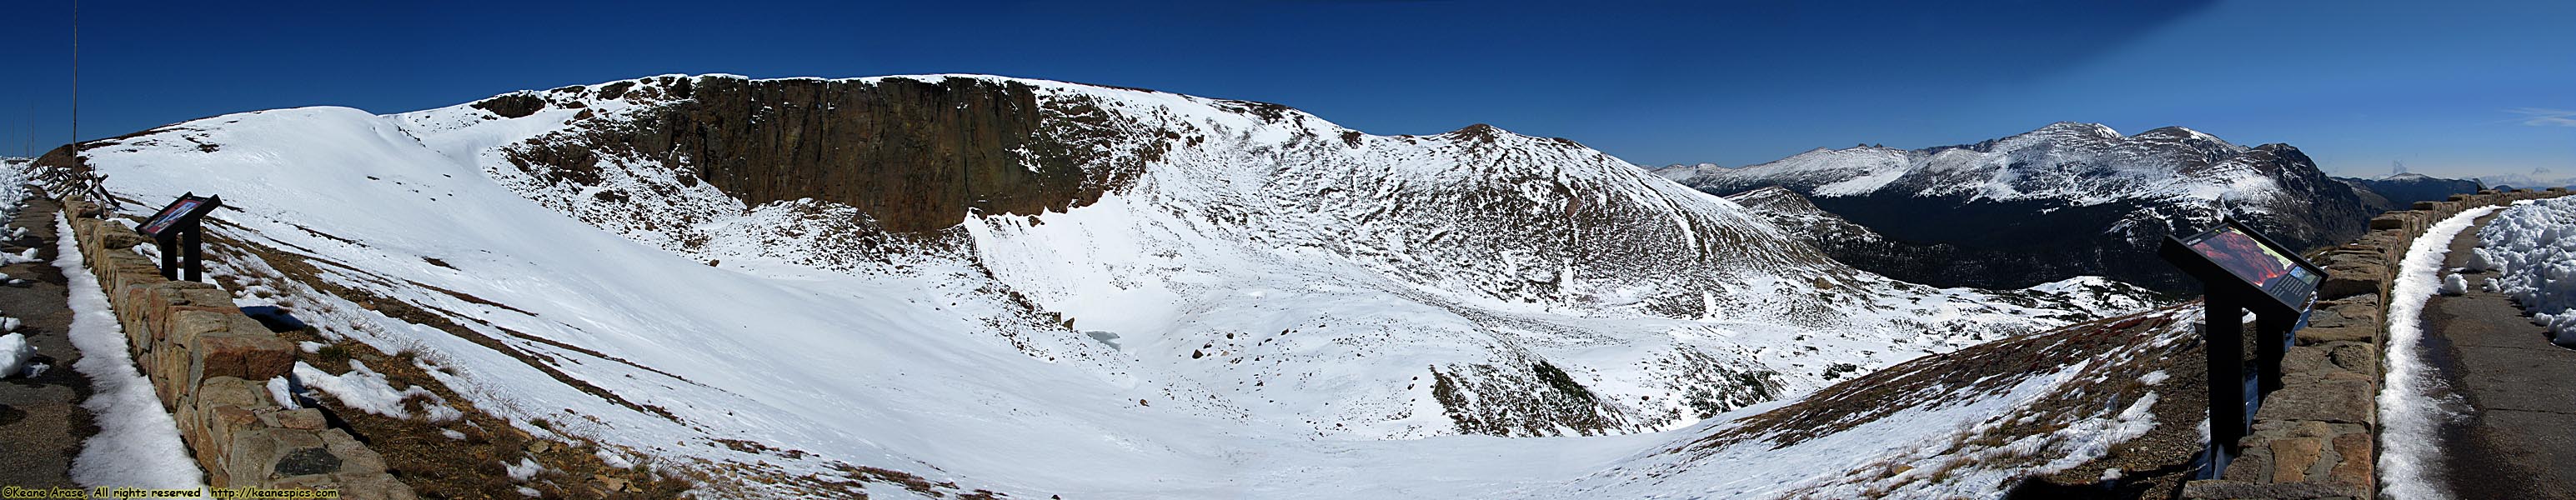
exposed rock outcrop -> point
(915, 156)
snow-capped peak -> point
(2075, 128)
(2077, 163)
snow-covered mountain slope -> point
(2057, 415)
(1039, 287)
(1796, 214)
(2068, 199)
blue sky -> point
(2449, 88)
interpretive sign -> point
(181, 213)
(2257, 262)
(174, 231)
(2239, 270)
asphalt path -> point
(2519, 439)
(41, 421)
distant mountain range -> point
(2068, 199)
(2397, 192)
(2537, 179)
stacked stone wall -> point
(2317, 437)
(210, 364)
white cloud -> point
(2545, 117)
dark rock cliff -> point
(917, 156)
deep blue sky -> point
(2448, 88)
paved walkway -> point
(41, 421)
(2520, 438)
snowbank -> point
(2532, 248)
(2411, 405)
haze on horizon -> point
(2455, 90)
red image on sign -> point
(2241, 255)
(168, 216)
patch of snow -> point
(613, 459)
(138, 443)
(2412, 403)
(282, 390)
(367, 390)
(28, 255)
(14, 354)
(525, 469)
(2453, 284)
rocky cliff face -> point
(2066, 200)
(914, 155)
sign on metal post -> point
(174, 231)
(2240, 270)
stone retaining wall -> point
(210, 365)
(2316, 437)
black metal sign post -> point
(175, 232)
(2240, 270)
